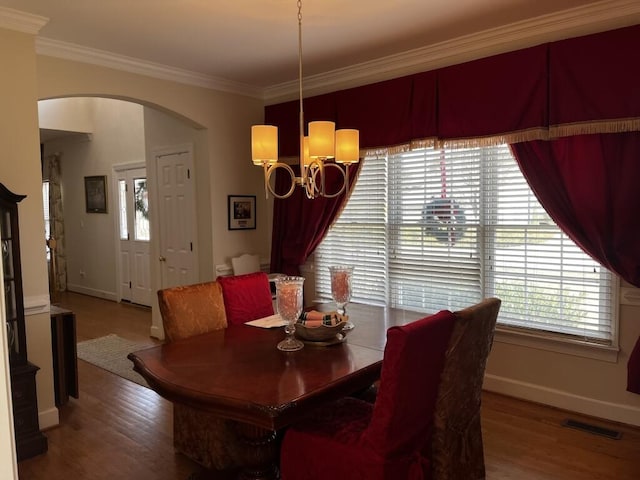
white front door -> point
(134, 234)
(176, 209)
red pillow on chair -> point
(246, 297)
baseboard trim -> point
(93, 292)
(48, 418)
(617, 412)
(157, 332)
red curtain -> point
(300, 224)
(589, 186)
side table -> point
(65, 359)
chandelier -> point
(323, 148)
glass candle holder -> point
(289, 305)
(341, 286)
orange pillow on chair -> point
(246, 297)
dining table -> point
(237, 373)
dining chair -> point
(440, 439)
(456, 449)
(190, 310)
(389, 439)
(187, 311)
(246, 297)
(246, 263)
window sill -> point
(576, 348)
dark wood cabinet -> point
(29, 440)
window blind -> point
(433, 229)
(360, 237)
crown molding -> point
(69, 51)
(588, 19)
(22, 22)
(593, 18)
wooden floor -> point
(120, 430)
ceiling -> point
(252, 44)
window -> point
(441, 229)
(141, 204)
(122, 203)
(47, 220)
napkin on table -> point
(272, 321)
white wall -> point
(117, 137)
(69, 114)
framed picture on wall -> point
(242, 212)
(95, 193)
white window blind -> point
(433, 229)
(359, 238)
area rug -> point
(110, 353)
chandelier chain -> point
(301, 117)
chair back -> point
(245, 264)
(401, 421)
(456, 450)
(246, 297)
(191, 310)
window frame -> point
(527, 337)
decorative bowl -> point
(322, 333)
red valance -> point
(392, 112)
(547, 91)
(595, 83)
(495, 96)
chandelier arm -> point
(268, 171)
(344, 179)
(311, 183)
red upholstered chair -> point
(246, 297)
(390, 439)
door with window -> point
(134, 234)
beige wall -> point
(595, 386)
(20, 172)
(225, 118)
(222, 160)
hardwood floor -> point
(120, 430)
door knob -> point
(162, 259)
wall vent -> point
(594, 429)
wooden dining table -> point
(238, 373)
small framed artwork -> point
(242, 212)
(95, 194)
